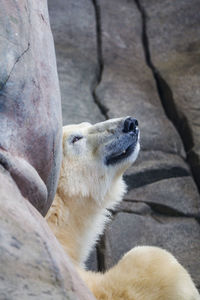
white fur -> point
(87, 189)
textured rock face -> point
(74, 27)
(164, 181)
(30, 113)
(174, 39)
(162, 206)
(127, 86)
(33, 264)
(180, 236)
(160, 178)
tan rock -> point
(33, 264)
(30, 110)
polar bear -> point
(95, 158)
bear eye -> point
(76, 138)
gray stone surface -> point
(74, 29)
(135, 207)
(164, 181)
(169, 196)
(127, 86)
(174, 39)
(33, 264)
(152, 160)
(161, 177)
(180, 236)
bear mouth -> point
(110, 160)
(121, 149)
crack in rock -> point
(165, 93)
(155, 208)
(16, 61)
(99, 72)
(147, 177)
(97, 10)
(165, 210)
(156, 212)
(166, 98)
(28, 11)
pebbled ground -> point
(139, 58)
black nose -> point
(130, 125)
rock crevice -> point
(2, 86)
(150, 176)
(165, 93)
(100, 62)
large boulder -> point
(30, 110)
(33, 264)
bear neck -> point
(82, 220)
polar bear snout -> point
(124, 144)
(130, 125)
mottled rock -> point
(127, 86)
(164, 181)
(33, 264)
(153, 160)
(174, 39)
(74, 28)
(131, 206)
(180, 236)
(173, 196)
(30, 111)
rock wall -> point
(139, 58)
(74, 27)
(32, 263)
(30, 112)
(172, 41)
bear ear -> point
(85, 124)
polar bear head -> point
(96, 156)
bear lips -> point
(121, 147)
